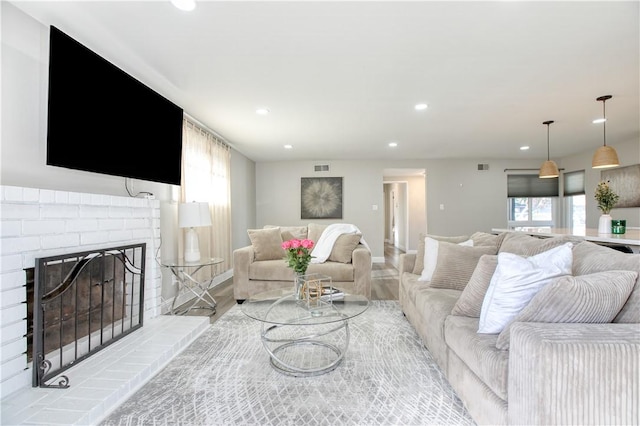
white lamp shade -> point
(192, 215)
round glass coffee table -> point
(303, 340)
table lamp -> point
(193, 215)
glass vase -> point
(298, 281)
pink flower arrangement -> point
(298, 254)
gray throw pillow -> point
(456, 264)
(589, 258)
(290, 232)
(469, 304)
(525, 245)
(419, 264)
(315, 231)
(486, 239)
(267, 243)
(343, 248)
(588, 299)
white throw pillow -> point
(431, 257)
(516, 280)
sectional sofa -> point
(261, 266)
(567, 353)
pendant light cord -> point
(548, 123)
(604, 123)
(548, 154)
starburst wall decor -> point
(321, 198)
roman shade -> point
(531, 186)
(574, 183)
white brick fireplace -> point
(39, 223)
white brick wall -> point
(37, 223)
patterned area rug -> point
(225, 378)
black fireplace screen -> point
(83, 302)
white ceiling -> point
(341, 78)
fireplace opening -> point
(82, 302)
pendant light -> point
(549, 168)
(605, 156)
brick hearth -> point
(102, 382)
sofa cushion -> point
(343, 248)
(526, 245)
(479, 352)
(270, 270)
(590, 299)
(336, 270)
(315, 230)
(589, 258)
(418, 266)
(486, 239)
(470, 302)
(516, 280)
(277, 270)
(291, 232)
(456, 264)
(267, 243)
(434, 306)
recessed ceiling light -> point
(262, 111)
(393, 144)
(288, 146)
(420, 107)
(524, 148)
(186, 5)
(599, 120)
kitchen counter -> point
(630, 238)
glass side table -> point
(185, 272)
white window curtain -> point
(206, 164)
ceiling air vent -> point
(483, 167)
(321, 168)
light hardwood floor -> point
(384, 285)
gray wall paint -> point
(243, 199)
(278, 196)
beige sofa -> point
(261, 266)
(572, 355)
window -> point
(531, 201)
(575, 201)
(206, 166)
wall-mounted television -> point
(102, 120)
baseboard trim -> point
(377, 259)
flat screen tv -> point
(102, 120)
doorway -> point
(404, 207)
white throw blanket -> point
(323, 247)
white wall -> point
(23, 140)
